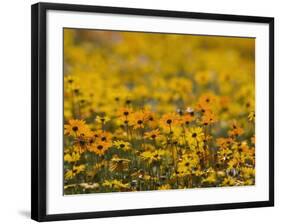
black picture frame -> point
(39, 116)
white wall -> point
(15, 109)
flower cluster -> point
(149, 111)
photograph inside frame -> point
(157, 111)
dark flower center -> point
(117, 98)
(191, 113)
(81, 142)
(128, 101)
(194, 135)
(100, 147)
(126, 113)
(180, 112)
(207, 100)
(122, 145)
(153, 136)
(75, 128)
(103, 138)
(151, 118)
(139, 121)
(187, 164)
(169, 121)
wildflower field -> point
(150, 111)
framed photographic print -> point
(139, 111)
